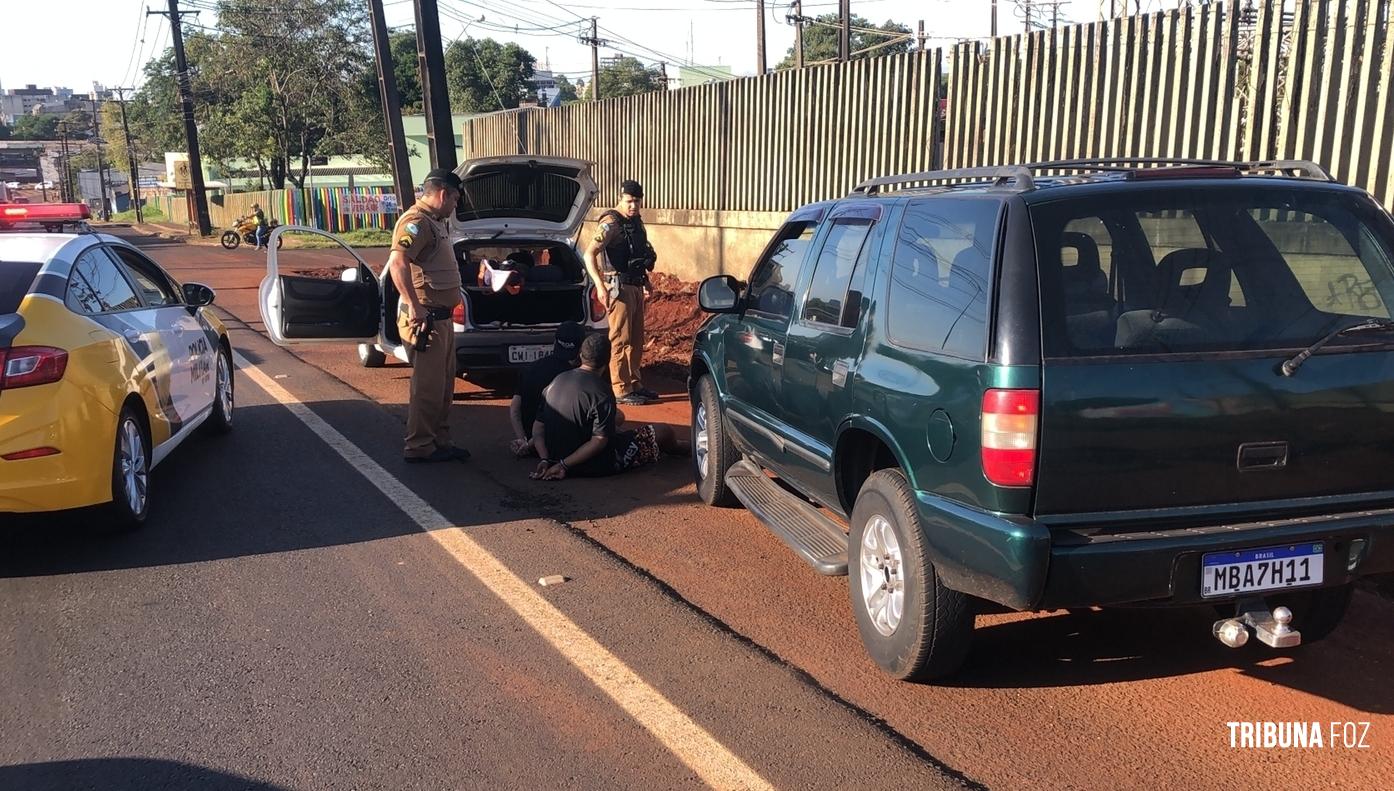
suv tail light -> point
(1010, 420)
(459, 315)
(26, 366)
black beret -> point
(446, 177)
(632, 187)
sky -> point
(107, 41)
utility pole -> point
(130, 155)
(663, 69)
(186, 102)
(760, 66)
(844, 39)
(594, 43)
(920, 35)
(67, 170)
(994, 18)
(797, 19)
(440, 130)
(1026, 7)
(391, 104)
(101, 167)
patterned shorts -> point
(641, 449)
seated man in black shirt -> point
(566, 355)
(575, 431)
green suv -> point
(1124, 382)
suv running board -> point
(812, 535)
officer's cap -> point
(632, 187)
(444, 178)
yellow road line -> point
(690, 742)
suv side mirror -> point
(196, 295)
(720, 294)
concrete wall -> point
(693, 245)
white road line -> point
(690, 742)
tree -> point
(626, 76)
(484, 75)
(36, 127)
(275, 89)
(406, 69)
(820, 40)
(566, 91)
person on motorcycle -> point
(259, 223)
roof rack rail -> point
(1300, 167)
(1017, 177)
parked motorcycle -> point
(243, 232)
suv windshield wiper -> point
(1289, 367)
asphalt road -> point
(284, 621)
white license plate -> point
(527, 354)
(1270, 568)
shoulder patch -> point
(603, 231)
(405, 240)
(412, 229)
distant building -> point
(22, 101)
(689, 76)
(548, 92)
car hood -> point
(521, 195)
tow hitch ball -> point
(1272, 628)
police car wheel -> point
(371, 356)
(130, 472)
(220, 422)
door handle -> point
(1255, 456)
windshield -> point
(16, 278)
(1177, 270)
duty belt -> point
(629, 278)
(441, 314)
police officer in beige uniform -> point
(619, 259)
(423, 268)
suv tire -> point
(917, 629)
(709, 470)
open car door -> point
(329, 294)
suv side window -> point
(771, 289)
(157, 289)
(832, 274)
(96, 285)
(941, 276)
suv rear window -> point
(513, 191)
(1219, 269)
(16, 278)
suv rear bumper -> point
(1021, 563)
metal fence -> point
(322, 207)
(757, 144)
(1225, 80)
(1237, 79)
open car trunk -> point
(549, 290)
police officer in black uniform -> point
(619, 259)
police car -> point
(106, 365)
(508, 205)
